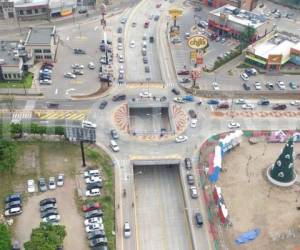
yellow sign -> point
(193, 55)
(198, 42)
(174, 13)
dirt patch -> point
(254, 203)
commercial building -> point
(33, 9)
(12, 56)
(41, 43)
(274, 51)
(6, 9)
(242, 4)
(232, 21)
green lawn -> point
(26, 82)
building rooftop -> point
(10, 52)
(40, 35)
(279, 43)
(242, 17)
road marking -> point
(68, 90)
(67, 38)
(96, 28)
(56, 91)
(61, 114)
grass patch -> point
(26, 82)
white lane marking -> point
(96, 28)
(67, 38)
(68, 90)
(56, 91)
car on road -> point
(121, 69)
(13, 197)
(30, 186)
(233, 125)
(184, 80)
(175, 91)
(96, 234)
(295, 103)
(215, 86)
(176, 40)
(269, 86)
(91, 65)
(240, 101)
(127, 230)
(213, 102)
(183, 72)
(120, 46)
(93, 227)
(69, 75)
(103, 104)
(123, 20)
(190, 179)
(145, 94)
(90, 206)
(279, 106)
(257, 85)
(120, 58)
(181, 138)
(52, 183)
(147, 69)
(79, 51)
(146, 24)
(78, 72)
(13, 211)
(281, 85)
(193, 123)
(47, 201)
(119, 98)
(114, 146)
(42, 184)
(293, 85)
(119, 30)
(178, 100)
(82, 11)
(88, 124)
(93, 192)
(193, 192)
(94, 213)
(60, 180)
(245, 77)
(94, 220)
(223, 105)
(246, 86)
(114, 134)
(251, 71)
(188, 163)
(192, 113)
(198, 219)
(133, 24)
(248, 106)
(263, 102)
(98, 242)
(156, 18)
(53, 218)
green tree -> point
(46, 237)
(8, 155)
(247, 36)
(5, 238)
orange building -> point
(242, 4)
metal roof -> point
(40, 35)
(9, 53)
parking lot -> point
(160, 212)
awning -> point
(256, 59)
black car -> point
(79, 51)
(151, 39)
(279, 107)
(198, 219)
(96, 234)
(190, 179)
(90, 186)
(119, 39)
(77, 72)
(246, 86)
(43, 76)
(47, 201)
(49, 212)
(163, 98)
(192, 114)
(98, 242)
(107, 41)
(82, 11)
(269, 86)
(16, 203)
(176, 91)
(47, 207)
(119, 30)
(264, 102)
(13, 197)
(119, 98)
(188, 163)
(103, 105)
(99, 248)
(94, 213)
(114, 134)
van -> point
(114, 146)
(198, 219)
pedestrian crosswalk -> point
(18, 116)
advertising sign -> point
(198, 42)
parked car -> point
(47, 207)
(145, 94)
(13, 197)
(103, 104)
(293, 85)
(213, 102)
(91, 172)
(114, 146)
(251, 71)
(248, 106)
(114, 134)
(96, 234)
(295, 103)
(93, 192)
(51, 218)
(190, 179)
(17, 203)
(181, 138)
(119, 98)
(79, 51)
(257, 85)
(94, 213)
(119, 30)
(78, 72)
(246, 86)
(88, 124)
(223, 105)
(98, 242)
(178, 100)
(90, 206)
(127, 230)
(193, 123)
(269, 86)
(245, 77)
(215, 86)
(183, 72)
(69, 75)
(94, 179)
(188, 163)
(192, 113)
(13, 211)
(176, 40)
(263, 102)
(145, 59)
(240, 101)
(175, 91)
(193, 192)
(60, 180)
(233, 125)
(47, 201)
(281, 85)
(198, 219)
(46, 82)
(30, 186)
(42, 184)
(52, 183)
(184, 80)
(93, 227)
(93, 221)
(279, 107)
(49, 212)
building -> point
(32, 9)
(41, 43)
(62, 8)
(242, 4)
(12, 56)
(232, 21)
(6, 9)
(274, 51)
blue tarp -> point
(215, 175)
(247, 236)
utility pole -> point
(103, 23)
(82, 154)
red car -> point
(146, 24)
(90, 207)
(183, 72)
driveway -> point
(70, 217)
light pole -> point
(103, 23)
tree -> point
(5, 238)
(8, 155)
(247, 36)
(46, 237)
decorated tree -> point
(283, 169)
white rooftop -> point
(242, 17)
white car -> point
(91, 65)
(77, 66)
(30, 186)
(88, 124)
(240, 101)
(145, 94)
(215, 86)
(120, 46)
(233, 125)
(193, 192)
(92, 172)
(121, 70)
(114, 146)
(281, 85)
(248, 106)
(13, 211)
(257, 85)
(93, 192)
(46, 81)
(295, 103)
(132, 44)
(69, 75)
(94, 227)
(245, 77)
(93, 220)
(52, 184)
(181, 138)
(93, 179)
(121, 58)
(193, 123)
(178, 100)
(127, 230)
(52, 218)
(60, 180)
